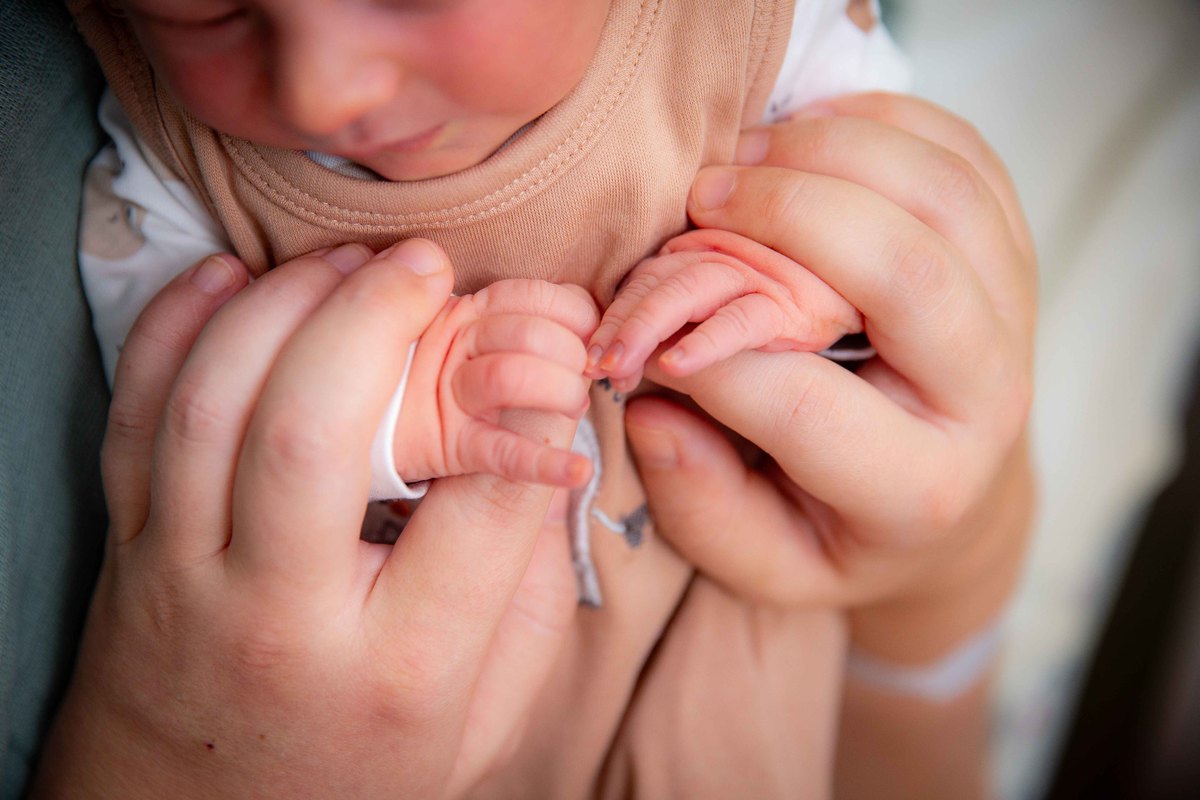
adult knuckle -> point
(127, 421)
(920, 267)
(260, 651)
(807, 408)
(193, 414)
(943, 501)
(293, 441)
(955, 183)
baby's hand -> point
(517, 344)
(744, 295)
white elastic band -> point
(580, 503)
(386, 483)
(942, 681)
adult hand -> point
(241, 638)
(901, 491)
(902, 209)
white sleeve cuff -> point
(386, 483)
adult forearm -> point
(897, 738)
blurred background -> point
(1095, 107)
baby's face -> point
(409, 88)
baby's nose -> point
(324, 86)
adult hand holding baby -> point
(901, 491)
(241, 636)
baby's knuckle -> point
(500, 379)
(738, 320)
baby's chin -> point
(432, 162)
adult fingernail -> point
(655, 448)
(215, 276)
(752, 147)
(713, 187)
(419, 255)
(348, 257)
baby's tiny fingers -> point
(570, 306)
(536, 336)
(688, 295)
(747, 323)
(501, 452)
(642, 282)
(493, 382)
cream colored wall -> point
(1095, 105)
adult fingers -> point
(925, 311)
(942, 188)
(214, 397)
(451, 576)
(723, 517)
(150, 360)
(934, 123)
(524, 648)
(303, 475)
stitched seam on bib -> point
(577, 140)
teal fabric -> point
(52, 392)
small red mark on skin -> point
(210, 746)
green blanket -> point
(52, 392)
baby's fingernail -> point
(613, 356)
(215, 276)
(713, 187)
(348, 257)
(419, 255)
(752, 147)
(593, 357)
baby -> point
(498, 129)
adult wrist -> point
(963, 593)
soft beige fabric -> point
(584, 192)
(596, 184)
